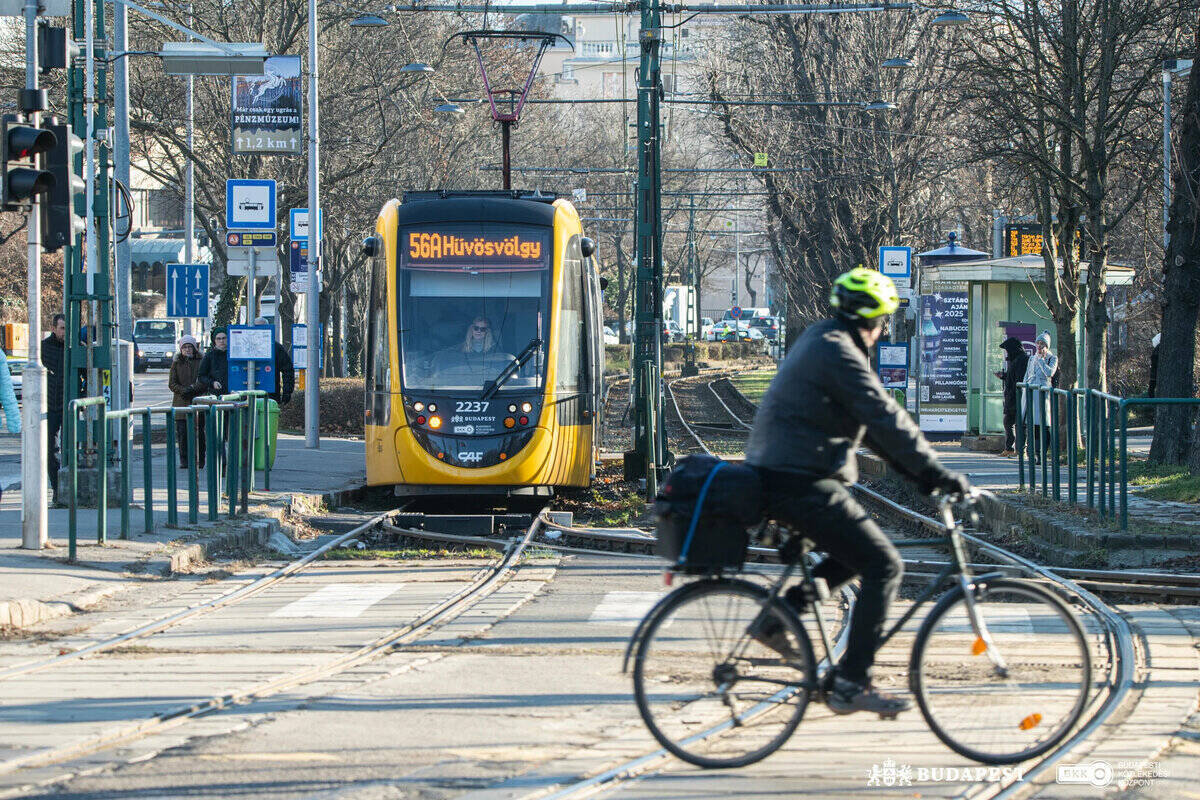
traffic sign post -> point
(250, 204)
(187, 290)
(298, 224)
(242, 246)
(736, 312)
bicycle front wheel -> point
(1010, 689)
(709, 692)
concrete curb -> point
(21, 613)
(256, 535)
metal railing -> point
(230, 422)
(1105, 432)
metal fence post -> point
(1072, 453)
(651, 433)
(1042, 445)
(193, 441)
(172, 478)
(246, 452)
(231, 464)
(1102, 458)
(1112, 460)
(1124, 414)
(266, 432)
(213, 458)
(1054, 438)
(72, 520)
(102, 475)
(126, 477)
(148, 469)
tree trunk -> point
(335, 351)
(1181, 295)
(1095, 321)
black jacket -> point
(285, 375)
(1018, 361)
(215, 367)
(824, 402)
(53, 359)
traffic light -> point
(60, 223)
(23, 181)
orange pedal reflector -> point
(1030, 722)
(980, 646)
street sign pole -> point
(33, 444)
(250, 315)
(312, 436)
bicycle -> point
(714, 696)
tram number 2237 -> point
(471, 406)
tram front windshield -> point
(473, 297)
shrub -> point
(341, 408)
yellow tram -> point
(484, 356)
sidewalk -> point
(36, 585)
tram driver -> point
(476, 360)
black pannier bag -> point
(703, 510)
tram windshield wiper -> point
(510, 369)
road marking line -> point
(338, 600)
(328, 757)
(624, 608)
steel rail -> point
(233, 596)
(482, 584)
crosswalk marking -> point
(338, 600)
(624, 608)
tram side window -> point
(378, 372)
(570, 316)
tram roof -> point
(533, 208)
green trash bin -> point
(264, 441)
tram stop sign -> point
(736, 312)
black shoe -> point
(846, 697)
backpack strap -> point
(691, 532)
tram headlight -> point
(432, 407)
(527, 407)
(512, 408)
(418, 407)
(435, 422)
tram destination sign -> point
(499, 247)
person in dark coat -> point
(54, 360)
(185, 385)
(285, 372)
(1016, 360)
(214, 367)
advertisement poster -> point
(893, 365)
(268, 111)
(944, 340)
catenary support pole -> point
(123, 251)
(189, 177)
(312, 436)
(33, 443)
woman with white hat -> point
(184, 381)
(1040, 373)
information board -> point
(943, 376)
(893, 365)
(251, 343)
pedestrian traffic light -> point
(23, 181)
(60, 223)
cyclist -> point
(825, 401)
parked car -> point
(768, 326)
(706, 325)
(154, 343)
(610, 336)
(16, 368)
(672, 332)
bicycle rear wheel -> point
(708, 692)
(994, 714)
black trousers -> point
(181, 442)
(824, 512)
(54, 421)
(1010, 429)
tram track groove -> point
(483, 583)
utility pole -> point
(121, 171)
(33, 443)
(189, 176)
(312, 380)
(693, 273)
(649, 454)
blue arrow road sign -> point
(249, 204)
(187, 290)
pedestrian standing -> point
(185, 384)
(285, 372)
(8, 399)
(1016, 361)
(1043, 366)
(214, 367)
(54, 360)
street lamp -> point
(201, 58)
(880, 105)
(897, 63)
(951, 19)
(417, 67)
(449, 108)
(368, 21)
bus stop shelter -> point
(966, 309)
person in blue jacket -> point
(8, 400)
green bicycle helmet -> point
(863, 294)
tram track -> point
(1122, 662)
(481, 584)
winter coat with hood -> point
(1014, 372)
(184, 379)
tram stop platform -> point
(40, 584)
